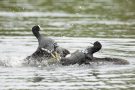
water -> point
(73, 24)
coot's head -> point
(36, 28)
(97, 46)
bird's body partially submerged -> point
(79, 57)
(82, 57)
(46, 49)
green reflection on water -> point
(112, 18)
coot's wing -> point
(62, 51)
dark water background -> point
(73, 24)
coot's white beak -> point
(39, 27)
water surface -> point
(73, 24)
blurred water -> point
(87, 18)
(73, 24)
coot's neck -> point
(36, 34)
(94, 49)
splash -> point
(11, 61)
